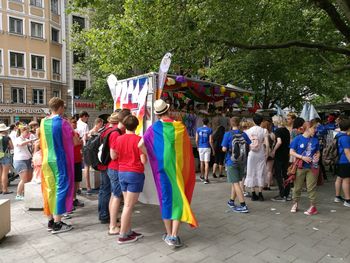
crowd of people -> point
(258, 152)
(253, 153)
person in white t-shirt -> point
(22, 159)
(82, 126)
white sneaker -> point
(338, 199)
(346, 203)
(19, 197)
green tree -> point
(286, 51)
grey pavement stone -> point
(260, 236)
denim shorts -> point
(115, 185)
(131, 181)
(22, 165)
(5, 160)
(235, 173)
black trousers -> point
(281, 167)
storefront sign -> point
(85, 105)
(39, 111)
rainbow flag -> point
(171, 158)
(56, 142)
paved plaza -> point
(269, 233)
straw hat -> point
(160, 107)
(3, 127)
(113, 118)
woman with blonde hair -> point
(22, 159)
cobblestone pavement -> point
(269, 233)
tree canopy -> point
(286, 51)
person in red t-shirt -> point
(112, 172)
(78, 175)
(131, 175)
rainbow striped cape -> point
(171, 158)
(56, 142)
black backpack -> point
(104, 155)
(90, 149)
(240, 148)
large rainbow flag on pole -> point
(171, 158)
(56, 141)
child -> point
(131, 175)
(37, 162)
(235, 169)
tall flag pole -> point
(163, 70)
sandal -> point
(294, 208)
(7, 193)
(114, 233)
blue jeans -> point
(103, 196)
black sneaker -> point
(178, 242)
(278, 199)
(255, 197)
(206, 181)
(50, 225)
(201, 178)
(214, 176)
(77, 203)
(61, 227)
(261, 197)
(222, 175)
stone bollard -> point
(5, 218)
(94, 179)
(33, 197)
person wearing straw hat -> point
(5, 160)
(171, 158)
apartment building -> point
(32, 58)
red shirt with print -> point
(129, 153)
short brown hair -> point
(131, 122)
(235, 121)
(83, 114)
(122, 114)
(55, 103)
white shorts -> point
(204, 154)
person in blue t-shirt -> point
(235, 170)
(343, 179)
(204, 141)
(305, 147)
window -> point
(79, 88)
(16, 26)
(78, 57)
(18, 95)
(36, 29)
(38, 96)
(16, 60)
(56, 66)
(80, 21)
(55, 35)
(37, 3)
(37, 62)
(54, 6)
(56, 93)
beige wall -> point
(28, 78)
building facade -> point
(36, 62)
(32, 58)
